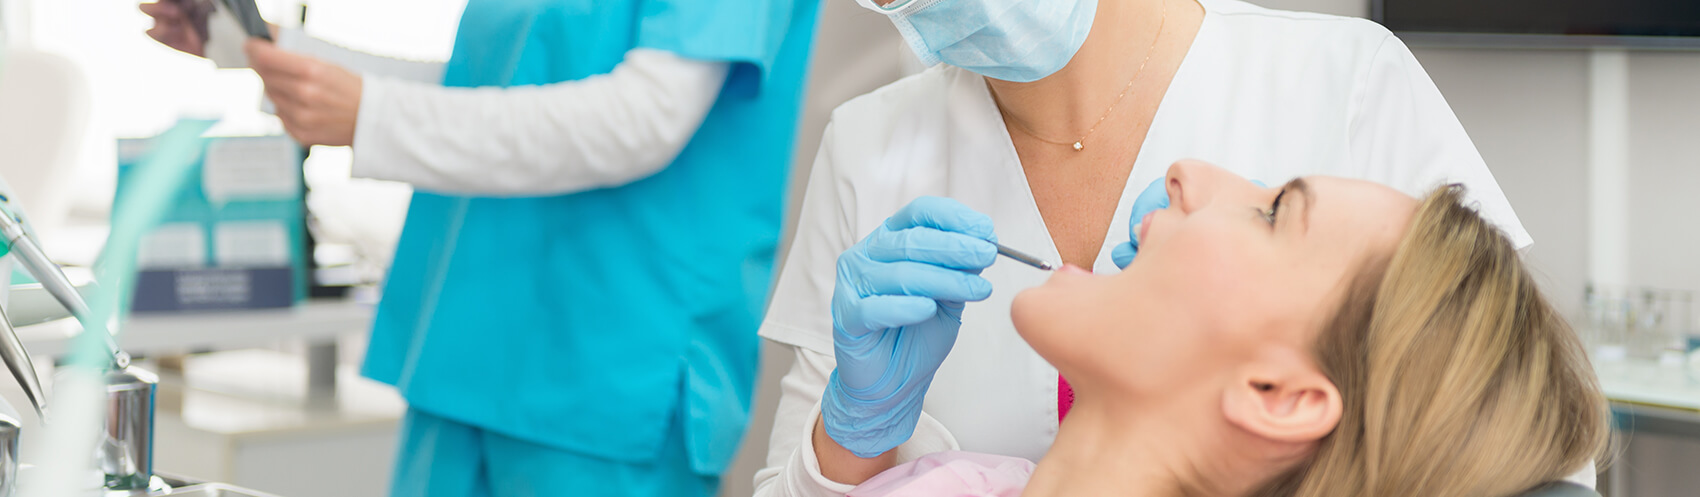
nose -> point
(1187, 191)
(1192, 185)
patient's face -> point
(1216, 284)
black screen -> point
(1545, 17)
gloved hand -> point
(1155, 197)
(895, 313)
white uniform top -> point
(1270, 95)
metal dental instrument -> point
(18, 362)
(35, 261)
(1024, 258)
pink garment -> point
(951, 474)
(1065, 398)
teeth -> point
(1135, 235)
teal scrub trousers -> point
(443, 458)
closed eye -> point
(1269, 216)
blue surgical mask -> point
(1011, 40)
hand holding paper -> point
(318, 101)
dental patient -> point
(1331, 337)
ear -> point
(1284, 403)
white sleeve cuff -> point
(368, 155)
(930, 438)
(811, 463)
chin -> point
(1027, 311)
(1041, 313)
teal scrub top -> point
(583, 321)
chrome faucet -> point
(125, 455)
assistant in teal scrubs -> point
(603, 342)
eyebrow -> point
(1299, 186)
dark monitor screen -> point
(1675, 18)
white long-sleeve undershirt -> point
(602, 131)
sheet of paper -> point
(252, 169)
(173, 246)
(251, 244)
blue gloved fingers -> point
(881, 312)
(942, 214)
(870, 355)
(923, 280)
(1123, 254)
(1155, 197)
(931, 246)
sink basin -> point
(174, 486)
(211, 490)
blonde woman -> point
(1330, 337)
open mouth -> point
(1145, 226)
(1070, 268)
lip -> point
(1145, 225)
(1073, 269)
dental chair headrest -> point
(1561, 489)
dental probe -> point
(1024, 258)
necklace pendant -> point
(1079, 146)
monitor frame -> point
(1533, 41)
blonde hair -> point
(1456, 376)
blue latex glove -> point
(1155, 197)
(895, 313)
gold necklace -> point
(1080, 144)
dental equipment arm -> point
(29, 254)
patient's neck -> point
(1104, 449)
(1095, 454)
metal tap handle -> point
(126, 450)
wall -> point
(1527, 111)
(1665, 175)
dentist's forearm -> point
(602, 131)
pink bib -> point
(1065, 398)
